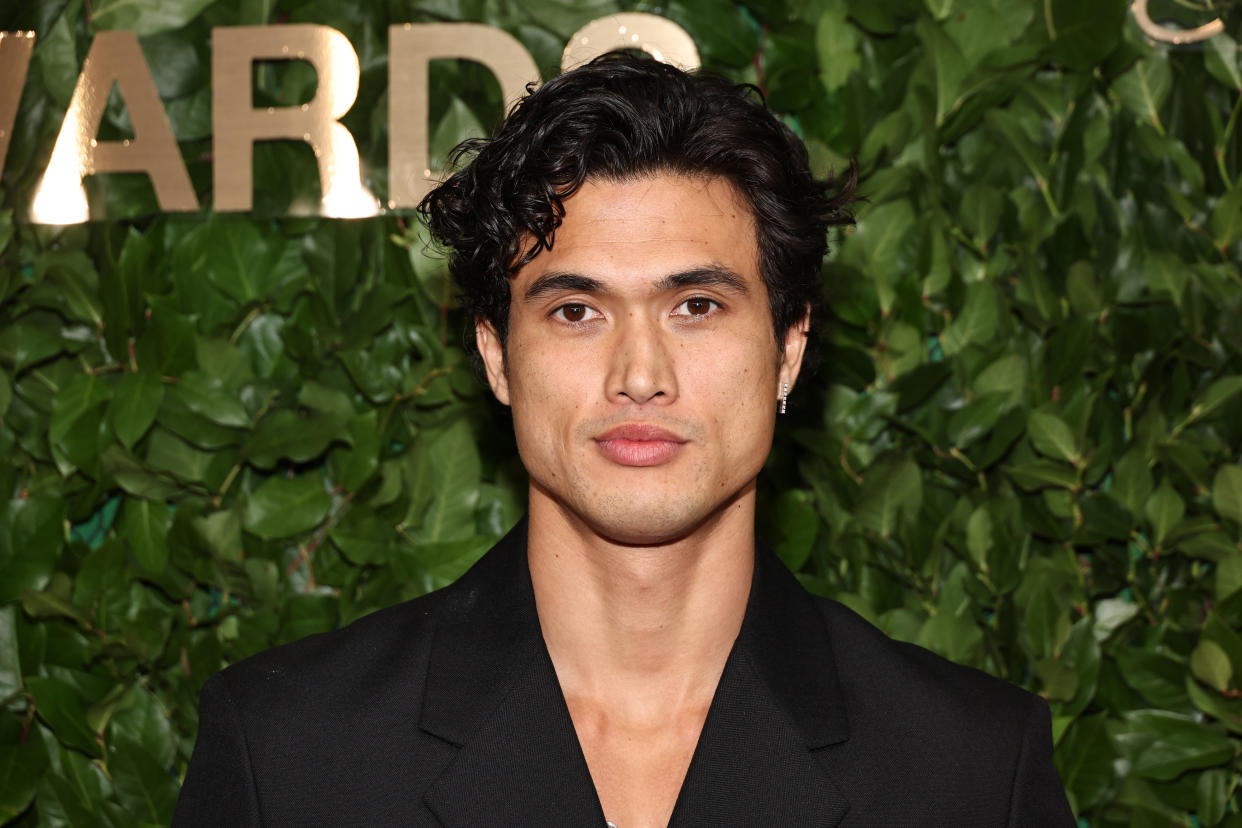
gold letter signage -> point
(116, 58)
(15, 49)
(236, 124)
(410, 48)
(659, 37)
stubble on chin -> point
(642, 514)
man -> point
(641, 250)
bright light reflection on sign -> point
(114, 57)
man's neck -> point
(642, 632)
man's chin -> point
(653, 523)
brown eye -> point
(696, 306)
(575, 313)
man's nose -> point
(642, 366)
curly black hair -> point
(619, 117)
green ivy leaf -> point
(1040, 474)
(362, 458)
(1110, 615)
(75, 792)
(57, 60)
(977, 322)
(145, 17)
(1084, 34)
(1082, 652)
(1226, 711)
(725, 34)
(1164, 509)
(1226, 221)
(1212, 794)
(145, 525)
(1144, 88)
(6, 393)
(144, 787)
(1158, 678)
(363, 541)
(837, 42)
(51, 605)
(207, 395)
(10, 661)
(1084, 760)
(454, 475)
(1163, 745)
(798, 525)
(1132, 483)
(1210, 664)
(1224, 60)
(30, 340)
(981, 209)
(64, 710)
(1009, 128)
(979, 536)
(282, 507)
(953, 636)
(1227, 492)
(1216, 629)
(135, 401)
(948, 64)
(1059, 680)
(1052, 437)
(1218, 393)
(100, 713)
(23, 759)
(287, 435)
(457, 124)
(77, 403)
(891, 491)
(879, 245)
(31, 545)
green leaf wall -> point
(1021, 449)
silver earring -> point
(784, 396)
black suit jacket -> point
(446, 711)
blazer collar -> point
(492, 691)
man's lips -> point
(639, 444)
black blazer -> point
(446, 711)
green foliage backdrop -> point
(1022, 447)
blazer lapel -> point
(777, 711)
(492, 691)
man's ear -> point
(794, 348)
(493, 353)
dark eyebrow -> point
(558, 282)
(712, 276)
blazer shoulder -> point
(972, 745)
(879, 671)
(371, 647)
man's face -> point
(641, 367)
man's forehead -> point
(688, 222)
(666, 191)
